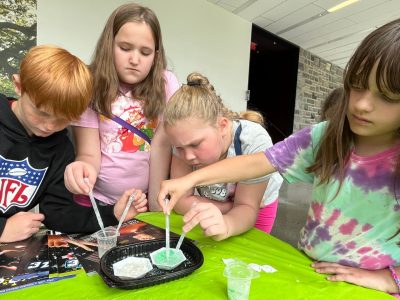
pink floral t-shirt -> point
(125, 157)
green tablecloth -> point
(295, 278)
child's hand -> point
(21, 226)
(374, 279)
(74, 177)
(210, 219)
(139, 204)
(176, 189)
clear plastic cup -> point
(239, 277)
(106, 239)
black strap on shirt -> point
(236, 141)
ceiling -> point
(332, 36)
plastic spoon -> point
(128, 204)
(96, 209)
(167, 230)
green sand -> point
(172, 259)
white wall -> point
(198, 36)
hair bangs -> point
(358, 69)
(56, 80)
(64, 98)
(379, 47)
(388, 71)
(106, 82)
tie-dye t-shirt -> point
(357, 228)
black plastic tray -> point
(194, 260)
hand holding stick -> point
(128, 205)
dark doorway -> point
(272, 81)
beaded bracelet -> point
(395, 277)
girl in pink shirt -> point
(131, 86)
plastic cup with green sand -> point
(166, 258)
(239, 277)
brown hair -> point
(152, 89)
(198, 99)
(380, 47)
(331, 103)
(57, 80)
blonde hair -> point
(198, 99)
(57, 80)
(106, 82)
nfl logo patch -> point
(19, 182)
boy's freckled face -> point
(39, 122)
(197, 143)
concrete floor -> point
(294, 200)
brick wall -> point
(315, 79)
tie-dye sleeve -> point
(294, 154)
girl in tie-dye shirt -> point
(352, 227)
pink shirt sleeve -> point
(88, 119)
(172, 84)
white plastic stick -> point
(96, 209)
(167, 230)
(180, 240)
(128, 204)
